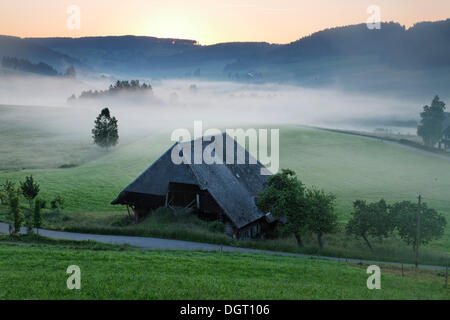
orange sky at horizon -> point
(207, 21)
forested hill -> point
(424, 44)
(390, 58)
(135, 54)
(23, 49)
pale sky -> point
(207, 21)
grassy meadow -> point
(65, 162)
(38, 271)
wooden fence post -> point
(446, 275)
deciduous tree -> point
(431, 123)
(284, 196)
(321, 216)
(370, 219)
(432, 223)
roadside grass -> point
(410, 272)
(165, 224)
(162, 223)
(39, 241)
(39, 272)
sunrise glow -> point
(207, 21)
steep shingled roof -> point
(233, 186)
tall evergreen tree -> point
(106, 130)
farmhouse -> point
(217, 192)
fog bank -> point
(177, 103)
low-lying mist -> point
(177, 103)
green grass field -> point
(38, 271)
(351, 167)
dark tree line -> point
(25, 65)
(118, 87)
(311, 211)
(10, 195)
(380, 220)
(38, 68)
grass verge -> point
(39, 272)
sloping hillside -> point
(116, 54)
(145, 55)
(425, 44)
(19, 48)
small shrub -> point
(29, 226)
(217, 227)
(37, 218)
(164, 215)
(42, 203)
(57, 203)
(68, 166)
(54, 216)
(30, 189)
(5, 189)
(16, 214)
(3, 198)
(122, 222)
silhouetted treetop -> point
(125, 86)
